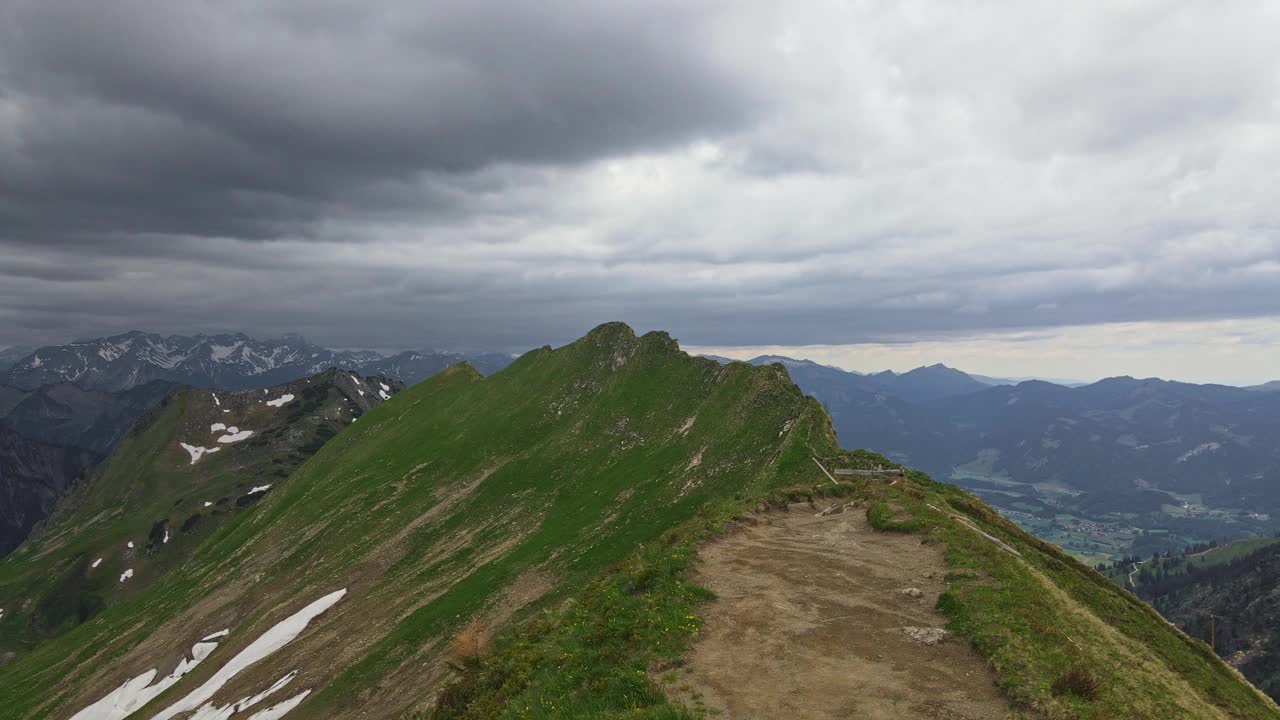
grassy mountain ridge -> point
(570, 490)
(450, 499)
(1064, 641)
(149, 505)
(1048, 618)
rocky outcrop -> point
(33, 475)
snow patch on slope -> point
(196, 451)
(1199, 450)
(236, 435)
(139, 691)
(269, 642)
(209, 711)
(278, 711)
(287, 397)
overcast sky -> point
(1025, 188)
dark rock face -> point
(33, 476)
(11, 355)
(66, 414)
(9, 398)
(51, 436)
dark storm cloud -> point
(491, 175)
(252, 119)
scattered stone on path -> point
(926, 635)
(911, 592)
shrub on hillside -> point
(1075, 681)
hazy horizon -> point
(1018, 356)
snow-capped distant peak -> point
(231, 362)
(228, 361)
(222, 352)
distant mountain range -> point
(412, 367)
(65, 407)
(1015, 380)
(1103, 469)
(921, 384)
(229, 361)
(927, 372)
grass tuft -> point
(470, 643)
(1081, 683)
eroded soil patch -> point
(819, 617)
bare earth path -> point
(809, 622)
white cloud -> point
(1237, 352)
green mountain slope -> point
(456, 496)
(1063, 640)
(1228, 595)
(1139, 574)
(151, 503)
(569, 493)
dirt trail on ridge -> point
(809, 624)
